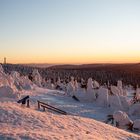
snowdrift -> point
(6, 91)
(26, 123)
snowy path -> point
(58, 99)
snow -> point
(115, 90)
(29, 123)
(115, 102)
(125, 103)
(37, 77)
(138, 93)
(71, 88)
(6, 91)
(85, 119)
(136, 124)
(90, 92)
(135, 110)
(122, 118)
(102, 99)
(96, 84)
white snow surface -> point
(84, 123)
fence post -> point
(38, 105)
(28, 103)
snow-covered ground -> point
(23, 123)
(85, 119)
(67, 103)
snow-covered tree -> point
(37, 79)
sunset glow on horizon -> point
(70, 32)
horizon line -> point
(71, 63)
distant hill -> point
(129, 73)
(118, 67)
(42, 65)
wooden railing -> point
(49, 107)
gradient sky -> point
(70, 31)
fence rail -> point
(50, 107)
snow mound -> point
(6, 91)
(28, 123)
(135, 110)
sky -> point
(70, 31)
